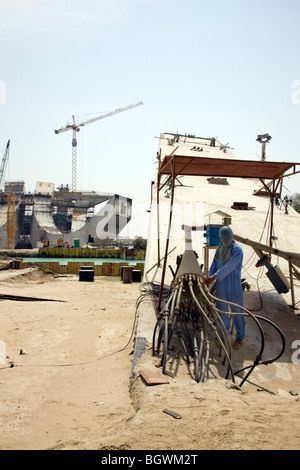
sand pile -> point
(31, 274)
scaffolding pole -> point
(292, 258)
(11, 221)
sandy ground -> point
(71, 388)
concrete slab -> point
(197, 201)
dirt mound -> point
(32, 274)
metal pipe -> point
(201, 346)
(219, 321)
(168, 237)
(206, 359)
(213, 327)
(291, 257)
(166, 342)
(174, 299)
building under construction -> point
(63, 215)
(200, 186)
(56, 216)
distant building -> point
(61, 214)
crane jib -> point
(75, 127)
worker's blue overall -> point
(228, 287)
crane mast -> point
(11, 203)
(76, 128)
(4, 164)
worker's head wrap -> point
(226, 242)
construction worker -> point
(226, 271)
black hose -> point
(222, 330)
(216, 313)
(207, 344)
(179, 335)
(257, 361)
(269, 361)
(157, 324)
(212, 326)
(201, 347)
(154, 335)
(186, 333)
(258, 357)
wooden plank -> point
(27, 299)
(153, 377)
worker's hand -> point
(210, 279)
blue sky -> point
(225, 69)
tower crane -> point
(76, 128)
(4, 164)
(11, 201)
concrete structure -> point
(201, 200)
(63, 215)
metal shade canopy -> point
(203, 166)
(176, 165)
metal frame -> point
(175, 165)
(292, 258)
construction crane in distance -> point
(4, 164)
(76, 128)
(11, 203)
